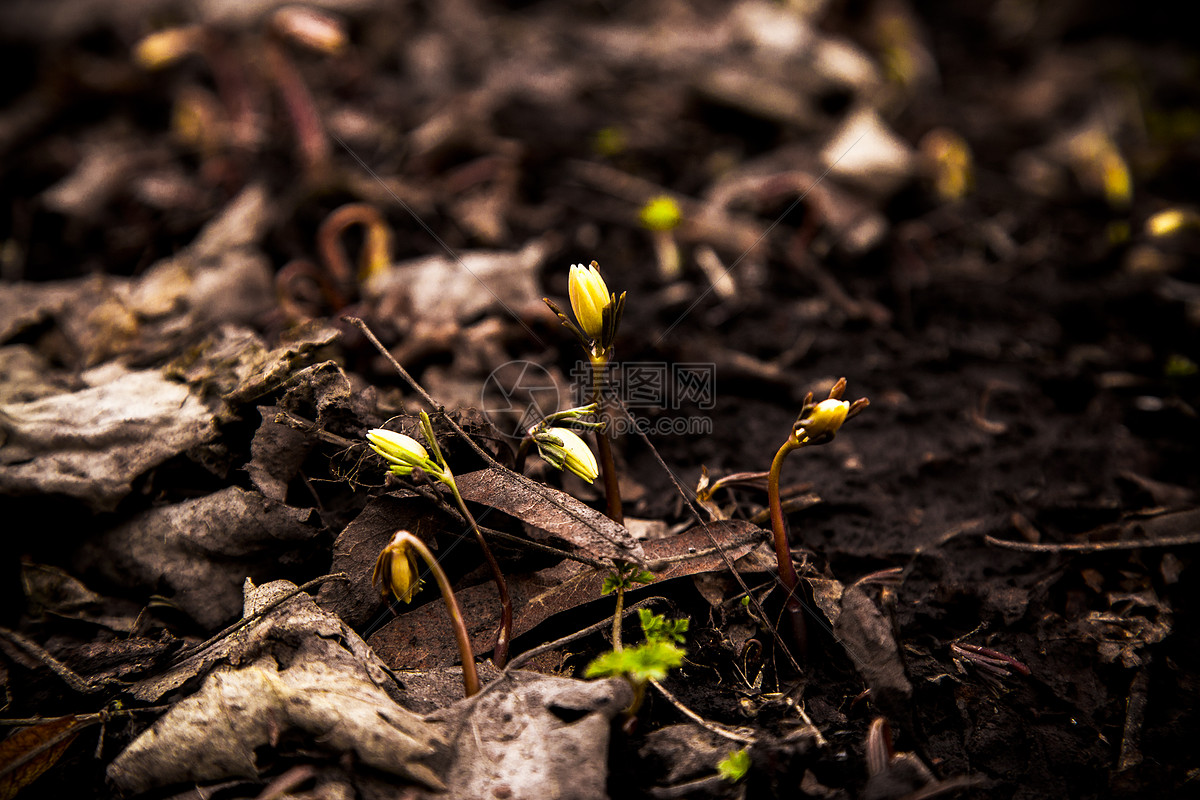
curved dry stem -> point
(470, 676)
(783, 553)
(504, 632)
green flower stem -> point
(504, 632)
(608, 466)
(470, 676)
(783, 554)
(616, 636)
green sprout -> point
(405, 455)
(623, 577)
(733, 767)
(661, 216)
(597, 315)
(649, 661)
(396, 570)
(817, 424)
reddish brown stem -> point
(783, 554)
(470, 676)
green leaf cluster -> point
(624, 577)
(733, 767)
(650, 660)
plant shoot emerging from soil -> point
(597, 315)
(649, 661)
(406, 456)
(621, 578)
(817, 424)
(396, 571)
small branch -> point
(1093, 547)
(244, 621)
(713, 727)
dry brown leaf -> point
(551, 512)
(200, 551)
(29, 752)
(91, 444)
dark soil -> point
(1029, 349)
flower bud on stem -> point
(401, 547)
(818, 424)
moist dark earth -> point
(982, 215)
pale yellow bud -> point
(826, 418)
(402, 452)
(164, 48)
(565, 450)
(589, 298)
(398, 570)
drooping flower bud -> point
(563, 449)
(397, 570)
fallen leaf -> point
(28, 753)
(532, 736)
(199, 552)
(214, 734)
(295, 670)
(867, 638)
(551, 512)
(92, 443)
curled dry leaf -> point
(867, 638)
(29, 752)
(91, 444)
(533, 736)
(551, 512)
(213, 734)
(302, 671)
(201, 550)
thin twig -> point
(517, 661)
(268, 608)
(717, 728)
(1093, 547)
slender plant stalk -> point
(470, 676)
(608, 466)
(616, 636)
(504, 632)
(783, 554)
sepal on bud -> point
(397, 570)
(403, 453)
(563, 449)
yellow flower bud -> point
(164, 48)
(660, 214)
(398, 570)
(563, 449)
(826, 418)
(589, 298)
(402, 452)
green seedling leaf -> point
(733, 767)
(624, 577)
(657, 628)
(646, 662)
